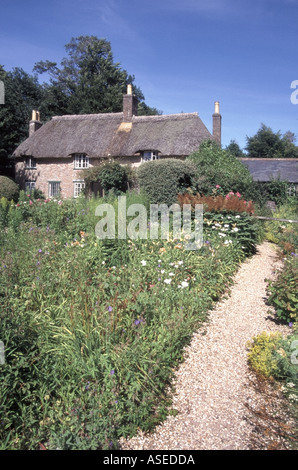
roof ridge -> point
(167, 116)
(73, 117)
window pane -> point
(30, 162)
(29, 186)
(78, 187)
(81, 160)
(54, 189)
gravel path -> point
(213, 385)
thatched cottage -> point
(51, 158)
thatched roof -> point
(265, 169)
(106, 135)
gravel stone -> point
(214, 385)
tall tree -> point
(235, 149)
(22, 94)
(267, 144)
(87, 81)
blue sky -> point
(184, 54)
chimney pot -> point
(216, 107)
(35, 123)
(217, 123)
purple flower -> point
(112, 372)
(110, 308)
(137, 322)
(40, 250)
(290, 324)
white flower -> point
(162, 271)
(226, 225)
(144, 262)
(180, 262)
(168, 281)
(235, 229)
(184, 284)
(237, 217)
(171, 274)
(290, 385)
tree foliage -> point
(87, 81)
(235, 149)
(22, 94)
(268, 144)
(217, 166)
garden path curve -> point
(213, 385)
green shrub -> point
(219, 167)
(8, 189)
(261, 353)
(274, 356)
(111, 175)
(163, 180)
(285, 234)
(283, 292)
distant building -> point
(266, 169)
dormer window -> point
(30, 163)
(149, 155)
(81, 161)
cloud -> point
(111, 19)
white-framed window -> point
(81, 161)
(78, 186)
(149, 155)
(54, 188)
(29, 186)
(30, 163)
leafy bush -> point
(261, 355)
(8, 189)
(163, 180)
(274, 190)
(229, 217)
(111, 175)
(283, 292)
(274, 356)
(219, 167)
(283, 233)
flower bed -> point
(93, 329)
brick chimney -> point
(130, 105)
(35, 123)
(217, 123)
